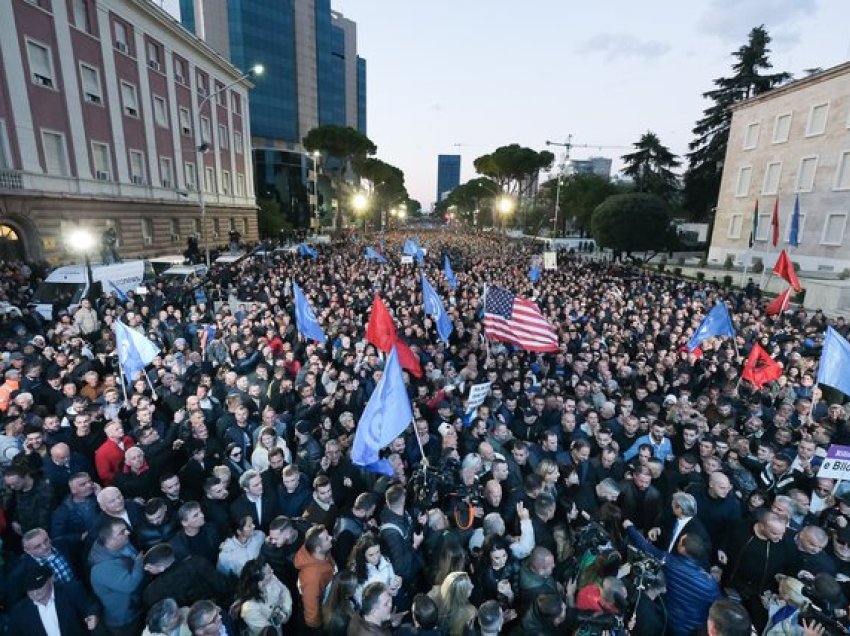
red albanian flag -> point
(760, 368)
(779, 304)
(785, 269)
(380, 331)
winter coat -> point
(313, 577)
(116, 578)
(274, 608)
(233, 554)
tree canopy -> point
(514, 168)
(708, 149)
(344, 143)
(651, 167)
(580, 195)
(633, 222)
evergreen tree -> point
(651, 168)
(708, 149)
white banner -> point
(477, 394)
(550, 260)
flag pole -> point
(150, 384)
(123, 380)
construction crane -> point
(567, 146)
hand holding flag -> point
(305, 317)
(434, 308)
(135, 351)
(760, 368)
(717, 322)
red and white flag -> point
(513, 319)
(779, 304)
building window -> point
(781, 128)
(806, 174)
(128, 97)
(216, 227)
(842, 173)
(235, 104)
(137, 167)
(147, 231)
(751, 136)
(736, 222)
(55, 153)
(121, 41)
(763, 230)
(834, 227)
(209, 179)
(240, 185)
(205, 130)
(237, 142)
(179, 71)
(225, 182)
(818, 116)
(90, 79)
(196, 227)
(81, 15)
(222, 137)
(772, 172)
(41, 64)
(220, 97)
(154, 56)
(202, 84)
(5, 150)
(174, 227)
(166, 172)
(190, 175)
(745, 175)
(160, 113)
(102, 162)
(185, 122)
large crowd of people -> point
(622, 484)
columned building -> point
(103, 104)
(313, 76)
(791, 143)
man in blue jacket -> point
(690, 589)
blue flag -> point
(434, 308)
(794, 234)
(120, 294)
(450, 275)
(534, 274)
(305, 317)
(135, 351)
(374, 255)
(410, 247)
(718, 322)
(385, 417)
(306, 250)
(834, 367)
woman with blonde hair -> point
(784, 608)
(456, 611)
(550, 474)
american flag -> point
(510, 318)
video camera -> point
(646, 570)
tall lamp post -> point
(203, 146)
(505, 205)
(316, 156)
(360, 202)
(82, 242)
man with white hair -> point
(682, 521)
(493, 524)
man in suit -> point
(52, 608)
(261, 506)
(682, 521)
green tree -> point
(340, 146)
(708, 149)
(387, 185)
(651, 167)
(514, 168)
(271, 219)
(634, 222)
(580, 195)
(475, 194)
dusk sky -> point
(487, 73)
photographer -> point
(690, 589)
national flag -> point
(513, 319)
(386, 416)
(380, 331)
(135, 351)
(717, 322)
(373, 255)
(119, 293)
(794, 234)
(755, 227)
(449, 272)
(760, 368)
(779, 304)
(834, 366)
(434, 307)
(784, 268)
(306, 250)
(774, 223)
(534, 271)
(305, 317)
(411, 248)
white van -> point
(162, 263)
(66, 286)
(182, 273)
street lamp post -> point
(360, 202)
(316, 156)
(505, 205)
(203, 146)
(82, 242)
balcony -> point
(11, 180)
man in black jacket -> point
(254, 501)
(351, 525)
(186, 581)
(52, 608)
(398, 536)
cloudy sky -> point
(486, 73)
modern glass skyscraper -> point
(448, 174)
(313, 76)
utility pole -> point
(566, 146)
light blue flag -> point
(305, 317)
(450, 275)
(834, 367)
(794, 234)
(374, 255)
(534, 274)
(434, 308)
(718, 322)
(306, 250)
(135, 351)
(120, 294)
(410, 247)
(385, 417)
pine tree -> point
(708, 149)
(651, 168)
